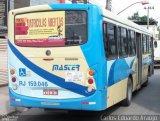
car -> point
(157, 53)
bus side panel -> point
(94, 54)
(118, 72)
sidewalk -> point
(5, 107)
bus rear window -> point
(51, 29)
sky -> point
(118, 5)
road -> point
(145, 102)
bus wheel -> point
(127, 101)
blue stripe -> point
(120, 70)
(82, 90)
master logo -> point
(72, 67)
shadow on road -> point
(149, 97)
(68, 115)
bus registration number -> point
(33, 84)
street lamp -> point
(148, 8)
(141, 2)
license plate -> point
(50, 92)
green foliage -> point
(135, 17)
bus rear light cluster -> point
(12, 71)
(91, 72)
(90, 89)
(90, 81)
(88, 103)
(15, 100)
(14, 79)
(15, 87)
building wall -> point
(21, 3)
(24, 3)
(11, 5)
(109, 4)
(14, 4)
(40, 2)
(3, 12)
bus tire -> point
(127, 101)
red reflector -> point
(14, 79)
(13, 99)
(90, 81)
(86, 103)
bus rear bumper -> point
(96, 102)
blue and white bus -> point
(75, 57)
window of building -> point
(110, 40)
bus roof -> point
(118, 19)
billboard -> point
(3, 12)
(40, 28)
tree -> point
(136, 18)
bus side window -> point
(150, 45)
(144, 45)
(105, 37)
(147, 44)
(123, 44)
(131, 43)
(110, 41)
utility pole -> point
(148, 9)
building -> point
(3, 12)
(24, 3)
(109, 4)
(14, 4)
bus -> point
(75, 57)
(156, 53)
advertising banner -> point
(40, 27)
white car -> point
(157, 53)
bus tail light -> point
(14, 79)
(91, 72)
(12, 71)
(15, 100)
(85, 103)
(88, 103)
(15, 87)
(90, 81)
(90, 89)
